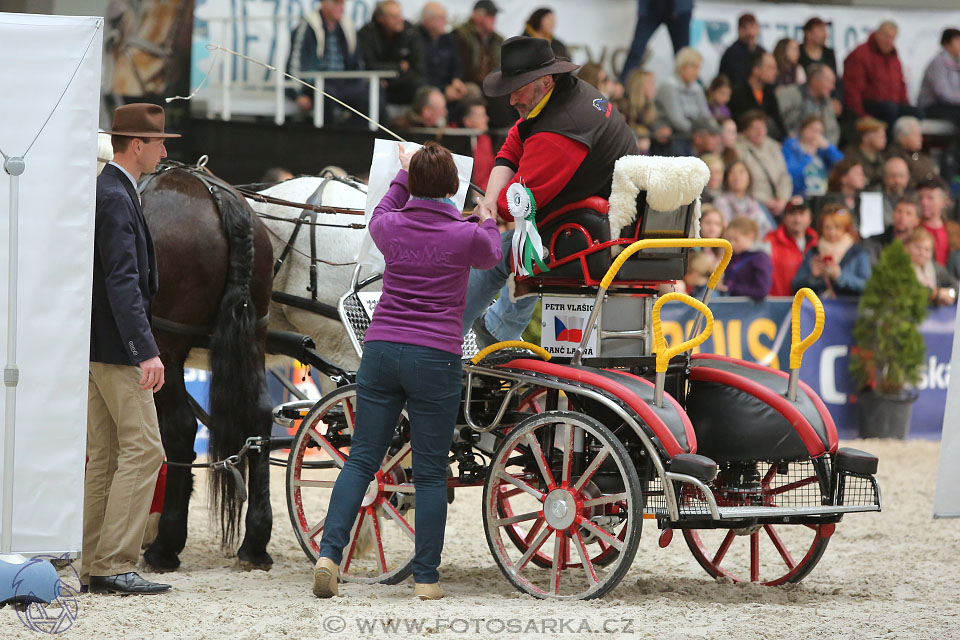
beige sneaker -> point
(325, 574)
(427, 591)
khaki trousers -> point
(124, 456)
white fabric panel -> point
(946, 498)
(56, 213)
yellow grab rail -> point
(672, 243)
(511, 344)
(663, 353)
(797, 346)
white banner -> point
(596, 31)
(946, 498)
(57, 190)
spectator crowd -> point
(801, 158)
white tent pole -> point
(14, 166)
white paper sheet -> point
(383, 169)
(56, 214)
(871, 214)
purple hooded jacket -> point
(429, 250)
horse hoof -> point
(259, 562)
(160, 563)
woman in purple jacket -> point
(411, 355)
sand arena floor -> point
(890, 575)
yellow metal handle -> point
(511, 344)
(797, 347)
(672, 243)
(660, 345)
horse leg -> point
(178, 428)
(258, 523)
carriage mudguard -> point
(740, 412)
(668, 425)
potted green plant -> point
(889, 350)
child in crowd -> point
(712, 225)
(700, 267)
(715, 184)
(750, 273)
(718, 95)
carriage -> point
(575, 450)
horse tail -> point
(236, 362)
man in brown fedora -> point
(123, 436)
(562, 148)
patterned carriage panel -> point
(740, 412)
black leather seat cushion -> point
(856, 461)
(700, 467)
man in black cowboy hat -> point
(562, 148)
(123, 436)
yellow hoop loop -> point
(511, 344)
(660, 345)
(797, 347)
(672, 243)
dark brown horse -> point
(215, 262)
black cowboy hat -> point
(523, 60)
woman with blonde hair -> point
(681, 99)
(942, 286)
(838, 265)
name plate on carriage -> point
(623, 325)
(563, 322)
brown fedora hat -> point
(139, 120)
(522, 60)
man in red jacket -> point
(789, 243)
(873, 78)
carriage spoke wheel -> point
(570, 489)
(770, 554)
(381, 544)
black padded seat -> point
(691, 464)
(856, 461)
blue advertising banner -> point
(760, 332)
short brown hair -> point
(433, 173)
(917, 235)
(750, 117)
(122, 143)
(910, 199)
(744, 225)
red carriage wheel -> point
(770, 554)
(381, 546)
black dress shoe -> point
(483, 335)
(125, 584)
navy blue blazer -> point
(124, 275)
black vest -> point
(580, 112)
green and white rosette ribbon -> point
(527, 245)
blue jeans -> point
(650, 15)
(505, 320)
(428, 382)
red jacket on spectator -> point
(786, 257)
(483, 160)
(869, 74)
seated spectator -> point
(789, 243)
(908, 144)
(772, 185)
(274, 175)
(479, 43)
(728, 140)
(718, 97)
(595, 75)
(705, 136)
(390, 43)
(906, 218)
(541, 24)
(933, 205)
(680, 98)
(797, 101)
(758, 92)
(896, 180)
(750, 273)
(872, 141)
(640, 110)
(473, 115)
(940, 90)
(699, 269)
(838, 265)
(715, 184)
(815, 49)
(844, 184)
(712, 225)
(873, 78)
(428, 109)
(325, 40)
(809, 157)
(442, 66)
(787, 55)
(736, 60)
(736, 201)
(940, 284)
